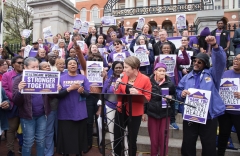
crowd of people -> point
(66, 120)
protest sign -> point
(77, 24)
(165, 92)
(102, 50)
(119, 56)
(94, 72)
(40, 82)
(141, 22)
(27, 49)
(47, 32)
(227, 88)
(170, 62)
(84, 28)
(26, 33)
(140, 53)
(189, 53)
(181, 21)
(81, 44)
(108, 20)
(200, 99)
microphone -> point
(121, 76)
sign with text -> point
(47, 32)
(200, 99)
(227, 88)
(119, 57)
(170, 62)
(27, 50)
(181, 21)
(141, 22)
(165, 92)
(108, 20)
(140, 51)
(26, 33)
(40, 82)
(94, 72)
(77, 24)
(84, 28)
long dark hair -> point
(113, 67)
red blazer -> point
(143, 82)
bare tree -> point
(18, 16)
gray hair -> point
(145, 38)
(51, 53)
(30, 59)
(41, 64)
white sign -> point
(84, 28)
(27, 50)
(181, 21)
(169, 61)
(94, 72)
(199, 99)
(77, 24)
(108, 20)
(140, 53)
(227, 88)
(141, 22)
(81, 44)
(47, 32)
(26, 33)
(119, 56)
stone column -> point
(131, 3)
(236, 4)
(69, 26)
(190, 1)
(159, 2)
(145, 2)
(174, 1)
(230, 4)
(37, 27)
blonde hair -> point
(133, 62)
(59, 60)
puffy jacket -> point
(24, 101)
(154, 107)
(157, 50)
(210, 80)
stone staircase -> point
(175, 141)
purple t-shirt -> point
(33, 53)
(109, 88)
(193, 43)
(70, 108)
(37, 105)
(231, 74)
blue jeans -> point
(51, 131)
(34, 129)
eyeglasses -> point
(236, 59)
(116, 44)
(19, 62)
(97, 59)
(198, 62)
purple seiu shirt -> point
(70, 108)
(33, 53)
(193, 43)
(109, 88)
(231, 74)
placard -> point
(102, 50)
(84, 28)
(189, 53)
(227, 88)
(200, 99)
(94, 72)
(47, 32)
(26, 33)
(181, 21)
(141, 22)
(40, 82)
(108, 20)
(81, 44)
(170, 62)
(165, 92)
(27, 50)
(140, 53)
(119, 57)
(77, 24)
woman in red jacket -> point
(133, 77)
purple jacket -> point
(24, 101)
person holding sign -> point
(134, 77)
(33, 109)
(156, 110)
(203, 77)
(142, 40)
(147, 31)
(231, 116)
(72, 112)
(119, 54)
(108, 36)
(92, 37)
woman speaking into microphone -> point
(133, 77)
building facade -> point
(158, 13)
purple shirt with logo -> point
(37, 105)
(109, 88)
(33, 53)
(70, 108)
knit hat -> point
(204, 58)
(205, 32)
(160, 65)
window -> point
(153, 2)
(181, 1)
(139, 3)
(196, 1)
(83, 14)
(121, 5)
(167, 2)
(94, 13)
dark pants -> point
(207, 134)
(226, 121)
(92, 108)
(172, 117)
(123, 120)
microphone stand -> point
(168, 105)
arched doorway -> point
(153, 25)
(168, 26)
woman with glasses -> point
(156, 110)
(72, 112)
(183, 70)
(117, 50)
(142, 40)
